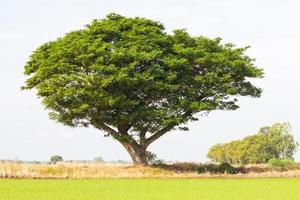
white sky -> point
(270, 27)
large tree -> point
(133, 80)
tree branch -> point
(124, 128)
(117, 135)
(164, 130)
(143, 135)
(158, 134)
(104, 127)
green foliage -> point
(150, 157)
(129, 77)
(56, 158)
(222, 168)
(274, 162)
(227, 168)
(205, 168)
(270, 142)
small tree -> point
(56, 158)
(99, 159)
(132, 80)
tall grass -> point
(81, 171)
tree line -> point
(274, 141)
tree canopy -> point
(275, 141)
(130, 78)
(55, 159)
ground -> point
(127, 171)
(150, 189)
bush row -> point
(223, 168)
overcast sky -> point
(270, 27)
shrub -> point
(186, 166)
(211, 168)
(274, 162)
(222, 168)
(227, 168)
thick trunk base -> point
(137, 153)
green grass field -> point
(148, 189)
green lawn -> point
(146, 189)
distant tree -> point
(99, 159)
(270, 142)
(217, 153)
(133, 80)
(56, 158)
(279, 135)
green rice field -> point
(150, 189)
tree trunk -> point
(136, 152)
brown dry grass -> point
(76, 170)
(83, 171)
